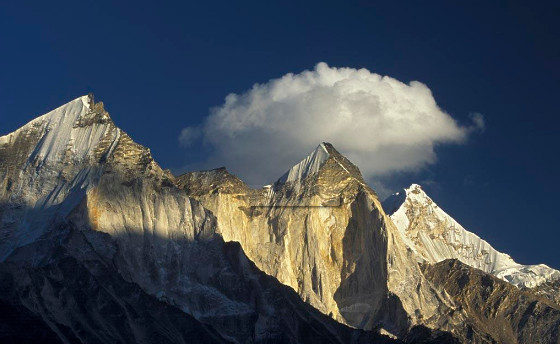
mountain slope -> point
(436, 236)
(506, 313)
(100, 245)
(324, 233)
(88, 213)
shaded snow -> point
(308, 166)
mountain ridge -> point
(253, 265)
(128, 215)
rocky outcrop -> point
(497, 308)
(549, 290)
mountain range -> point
(99, 244)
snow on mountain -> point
(67, 129)
(87, 207)
(48, 165)
(436, 236)
(308, 166)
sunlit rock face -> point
(322, 231)
(77, 194)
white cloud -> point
(189, 135)
(379, 123)
(479, 125)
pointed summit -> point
(308, 166)
(71, 131)
(324, 155)
(52, 162)
(435, 236)
(396, 200)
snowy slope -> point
(63, 131)
(436, 236)
(308, 166)
(48, 165)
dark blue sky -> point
(159, 66)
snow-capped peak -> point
(396, 200)
(73, 129)
(435, 236)
(308, 166)
(51, 163)
(73, 108)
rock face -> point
(549, 290)
(94, 232)
(84, 300)
(98, 244)
(322, 231)
(436, 236)
(505, 313)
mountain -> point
(322, 231)
(436, 236)
(495, 307)
(99, 244)
(308, 166)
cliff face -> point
(326, 236)
(91, 224)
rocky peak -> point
(325, 162)
(49, 165)
(435, 236)
(342, 162)
(321, 230)
(211, 181)
(306, 167)
(72, 132)
(96, 113)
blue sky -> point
(159, 67)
